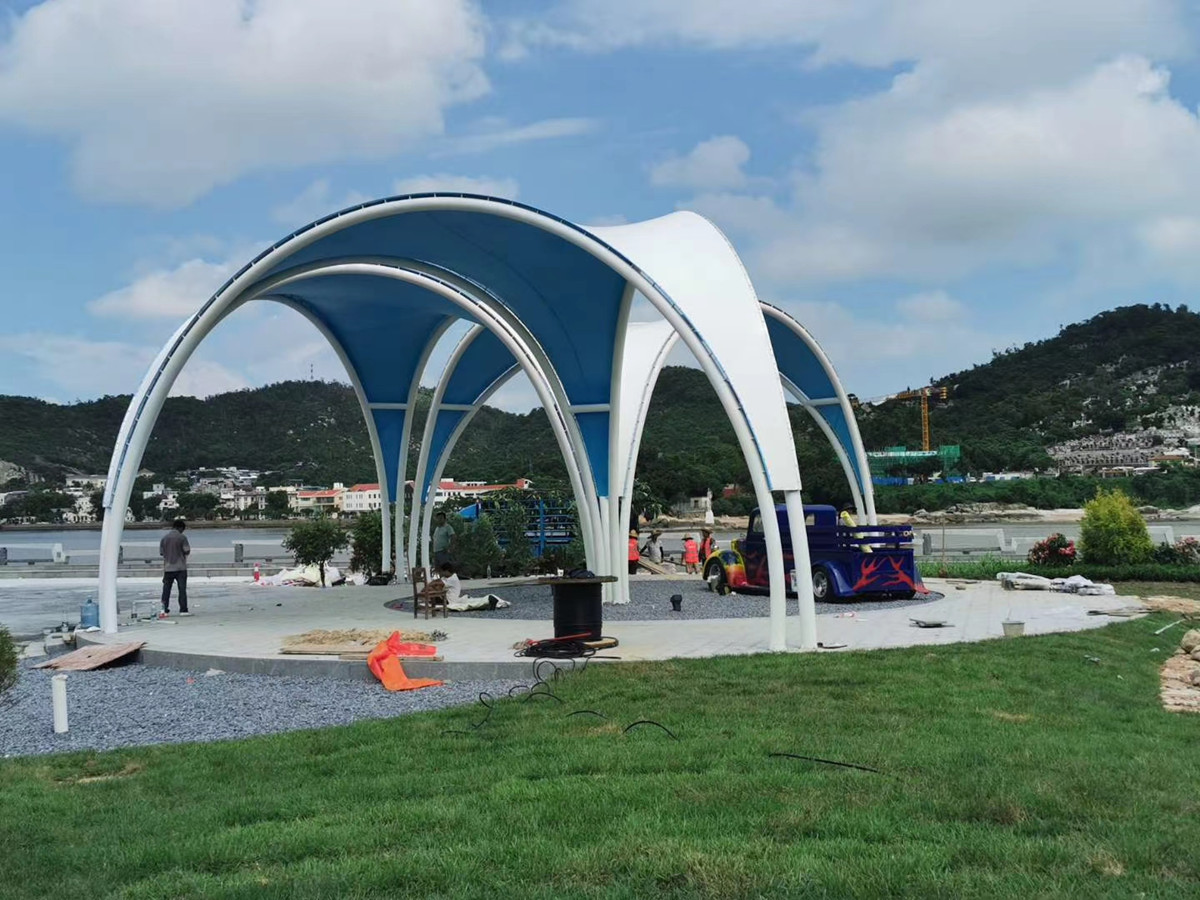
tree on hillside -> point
(96, 499)
(314, 542)
(1113, 532)
(366, 543)
(277, 505)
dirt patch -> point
(364, 636)
(1178, 692)
(1107, 864)
(1010, 717)
(1167, 603)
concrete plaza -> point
(242, 628)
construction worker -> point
(652, 549)
(691, 555)
(707, 545)
(847, 518)
(634, 555)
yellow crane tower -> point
(924, 395)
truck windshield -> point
(755, 525)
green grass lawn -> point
(1008, 768)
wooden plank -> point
(337, 650)
(326, 649)
(88, 658)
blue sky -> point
(921, 183)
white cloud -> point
(712, 165)
(161, 101)
(167, 293)
(1024, 41)
(873, 353)
(931, 306)
(457, 184)
(493, 134)
(85, 368)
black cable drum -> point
(578, 610)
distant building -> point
(328, 501)
(448, 488)
(86, 482)
(361, 498)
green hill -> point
(1124, 369)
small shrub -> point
(1055, 550)
(366, 543)
(1113, 533)
(314, 542)
(476, 550)
(8, 663)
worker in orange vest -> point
(707, 544)
(634, 554)
(691, 555)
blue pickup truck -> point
(848, 562)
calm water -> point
(209, 538)
(224, 538)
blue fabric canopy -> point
(562, 294)
(799, 365)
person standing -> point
(174, 549)
(653, 548)
(443, 539)
(707, 545)
(691, 555)
(634, 555)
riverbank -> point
(193, 525)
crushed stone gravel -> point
(652, 600)
(135, 705)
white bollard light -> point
(58, 692)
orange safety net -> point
(384, 663)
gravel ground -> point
(652, 600)
(135, 705)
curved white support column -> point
(614, 528)
(419, 533)
(840, 451)
(860, 450)
(403, 562)
(802, 561)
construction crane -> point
(924, 394)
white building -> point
(86, 482)
(361, 498)
(328, 501)
(448, 488)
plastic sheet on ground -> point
(1076, 584)
(467, 604)
(301, 576)
(384, 664)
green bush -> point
(314, 542)
(366, 544)
(986, 568)
(1113, 532)
(8, 662)
(476, 549)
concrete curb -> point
(310, 667)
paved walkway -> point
(243, 623)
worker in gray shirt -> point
(174, 549)
(443, 539)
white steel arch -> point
(860, 451)
(676, 257)
(146, 412)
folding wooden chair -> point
(430, 594)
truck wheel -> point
(715, 576)
(822, 586)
